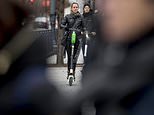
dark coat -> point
(88, 20)
(24, 89)
(120, 79)
(72, 21)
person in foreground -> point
(120, 80)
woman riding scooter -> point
(72, 22)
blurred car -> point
(41, 22)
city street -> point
(57, 76)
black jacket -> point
(73, 21)
(123, 73)
(88, 20)
(18, 92)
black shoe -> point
(67, 76)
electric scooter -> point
(88, 37)
(86, 44)
(71, 77)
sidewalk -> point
(57, 76)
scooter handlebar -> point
(89, 33)
(73, 29)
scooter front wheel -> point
(70, 80)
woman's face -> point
(86, 9)
(75, 8)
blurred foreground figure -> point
(120, 79)
(24, 88)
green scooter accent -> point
(73, 41)
(73, 37)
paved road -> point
(57, 75)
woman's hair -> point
(74, 3)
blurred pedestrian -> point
(24, 88)
(90, 29)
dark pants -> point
(75, 55)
